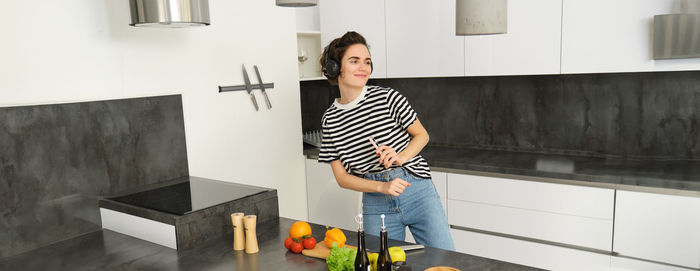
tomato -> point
(309, 243)
(297, 247)
(288, 242)
(299, 229)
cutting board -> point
(321, 251)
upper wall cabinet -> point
(614, 36)
(421, 40)
(363, 16)
(531, 46)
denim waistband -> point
(386, 175)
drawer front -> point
(568, 229)
(547, 197)
(657, 227)
(620, 263)
(528, 253)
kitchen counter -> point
(677, 177)
(107, 250)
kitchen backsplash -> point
(57, 160)
(651, 115)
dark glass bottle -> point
(361, 260)
(384, 259)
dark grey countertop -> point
(679, 177)
(107, 250)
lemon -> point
(397, 254)
(373, 260)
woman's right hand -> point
(395, 187)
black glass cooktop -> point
(190, 195)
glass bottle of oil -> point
(384, 259)
(361, 259)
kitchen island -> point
(107, 250)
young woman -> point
(394, 179)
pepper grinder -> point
(251, 241)
(237, 221)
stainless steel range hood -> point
(481, 17)
(678, 35)
(169, 13)
(296, 3)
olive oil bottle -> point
(384, 259)
(361, 259)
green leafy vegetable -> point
(341, 259)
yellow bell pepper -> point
(334, 235)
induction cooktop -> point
(190, 195)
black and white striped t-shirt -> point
(378, 112)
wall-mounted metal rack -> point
(243, 87)
(250, 87)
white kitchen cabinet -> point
(531, 46)
(329, 204)
(440, 182)
(528, 253)
(307, 19)
(566, 214)
(421, 40)
(363, 16)
(627, 264)
(614, 36)
(661, 228)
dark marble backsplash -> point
(651, 115)
(57, 160)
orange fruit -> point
(299, 229)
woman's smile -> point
(355, 68)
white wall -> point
(83, 50)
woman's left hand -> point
(388, 156)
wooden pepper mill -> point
(237, 221)
(251, 241)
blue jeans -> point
(418, 207)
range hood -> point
(169, 13)
(296, 3)
(678, 35)
(481, 17)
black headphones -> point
(332, 67)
